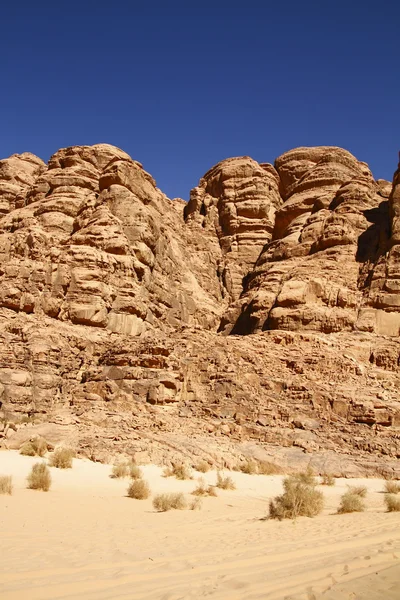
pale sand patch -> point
(85, 539)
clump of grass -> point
(392, 503)
(35, 447)
(178, 470)
(135, 472)
(268, 468)
(327, 479)
(119, 470)
(299, 499)
(307, 477)
(196, 504)
(202, 466)
(392, 487)
(39, 478)
(358, 490)
(225, 483)
(173, 501)
(139, 489)
(249, 467)
(203, 489)
(62, 458)
(6, 486)
(351, 502)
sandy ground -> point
(85, 539)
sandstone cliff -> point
(265, 310)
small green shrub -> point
(350, 503)
(173, 501)
(225, 483)
(392, 487)
(6, 486)
(39, 478)
(62, 458)
(298, 499)
(358, 490)
(327, 479)
(27, 449)
(203, 489)
(392, 503)
(139, 489)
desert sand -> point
(85, 539)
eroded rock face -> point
(236, 201)
(330, 232)
(112, 297)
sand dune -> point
(85, 539)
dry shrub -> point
(225, 483)
(203, 489)
(62, 458)
(268, 468)
(35, 447)
(202, 466)
(6, 486)
(139, 489)
(307, 477)
(299, 499)
(358, 490)
(327, 479)
(39, 478)
(351, 502)
(249, 467)
(119, 471)
(392, 487)
(196, 504)
(392, 503)
(135, 472)
(178, 470)
(173, 501)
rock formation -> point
(266, 310)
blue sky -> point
(180, 86)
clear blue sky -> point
(182, 85)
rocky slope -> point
(260, 317)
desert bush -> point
(358, 490)
(351, 502)
(268, 468)
(135, 472)
(119, 470)
(327, 479)
(178, 470)
(139, 489)
(307, 477)
(172, 501)
(202, 466)
(39, 478)
(298, 499)
(225, 483)
(203, 489)
(196, 504)
(6, 486)
(62, 458)
(35, 447)
(392, 487)
(392, 503)
(249, 467)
